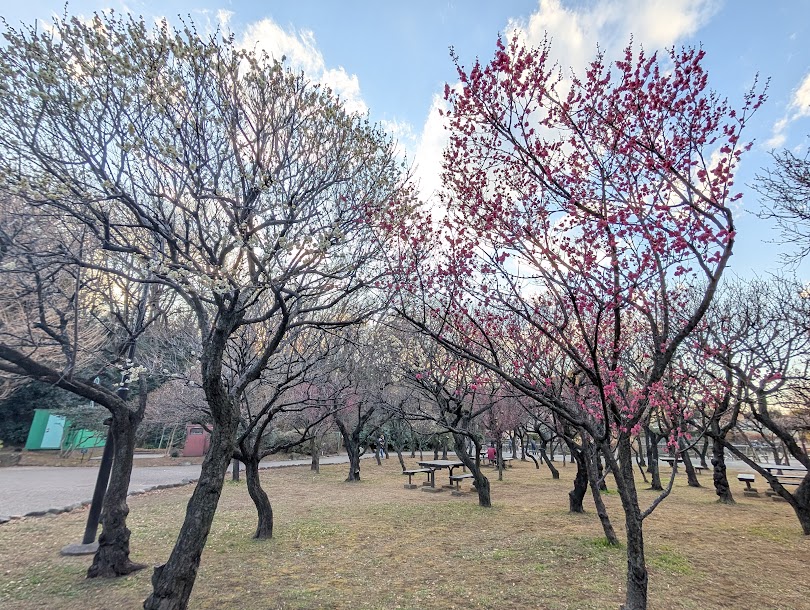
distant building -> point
(49, 431)
(197, 441)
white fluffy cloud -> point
(429, 151)
(800, 104)
(575, 31)
(301, 52)
(798, 107)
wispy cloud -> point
(576, 30)
(797, 108)
(300, 50)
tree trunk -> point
(473, 464)
(641, 461)
(112, 557)
(315, 452)
(400, 458)
(173, 581)
(601, 510)
(555, 474)
(637, 576)
(577, 494)
(351, 442)
(721, 486)
(264, 510)
(235, 469)
(353, 452)
(802, 506)
(600, 471)
(652, 460)
(691, 475)
(703, 452)
(444, 447)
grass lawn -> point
(374, 544)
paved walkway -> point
(29, 490)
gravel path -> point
(37, 490)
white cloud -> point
(224, 19)
(575, 31)
(301, 52)
(798, 107)
(347, 86)
(402, 131)
(430, 149)
(800, 103)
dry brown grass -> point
(376, 545)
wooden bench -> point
(410, 474)
(506, 462)
(748, 478)
(457, 478)
(698, 468)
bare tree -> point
(234, 182)
(785, 191)
(763, 345)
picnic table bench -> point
(790, 479)
(457, 478)
(748, 478)
(414, 471)
(671, 461)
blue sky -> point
(391, 58)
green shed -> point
(46, 431)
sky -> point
(392, 60)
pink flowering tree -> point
(593, 219)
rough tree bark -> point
(590, 451)
(577, 494)
(691, 474)
(264, 509)
(315, 452)
(721, 486)
(473, 464)
(112, 557)
(637, 575)
(652, 458)
(351, 442)
(172, 582)
(555, 474)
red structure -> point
(197, 441)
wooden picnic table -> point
(782, 468)
(671, 461)
(435, 465)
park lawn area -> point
(375, 544)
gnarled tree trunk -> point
(721, 486)
(473, 464)
(691, 475)
(315, 452)
(173, 581)
(577, 494)
(652, 459)
(112, 557)
(264, 510)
